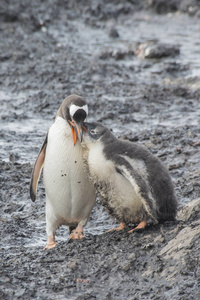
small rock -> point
(162, 240)
(190, 211)
(113, 33)
(132, 256)
(157, 50)
(72, 265)
(126, 267)
(148, 246)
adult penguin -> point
(69, 195)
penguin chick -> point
(70, 196)
(131, 183)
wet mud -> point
(137, 65)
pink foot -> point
(50, 242)
(121, 226)
(141, 225)
(77, 233)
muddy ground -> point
(137, 64)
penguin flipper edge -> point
(37, 170)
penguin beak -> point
(87, 127)
(77, 131)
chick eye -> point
(92, 131)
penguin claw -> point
(50, 242)
(76, 235)
(121, 227)
(141, 226)
(50, 246)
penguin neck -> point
(60, 114)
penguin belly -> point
(69, 195)
(121, 199)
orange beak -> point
(84, 128)
(77, 131)
(74, 135)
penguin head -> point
(74, 110)
(95, 133)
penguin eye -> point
(92, 131)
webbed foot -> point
(77, 233)
(50, 242)
(121, 226)
(140, 227)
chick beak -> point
(77, 131)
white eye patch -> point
(73, 109)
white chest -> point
(61, 152)
(67, 186)
(99, 166)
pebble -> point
(157, 50)
(132, 256)
(113, 33)
(72, 265)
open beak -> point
(77, 131)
